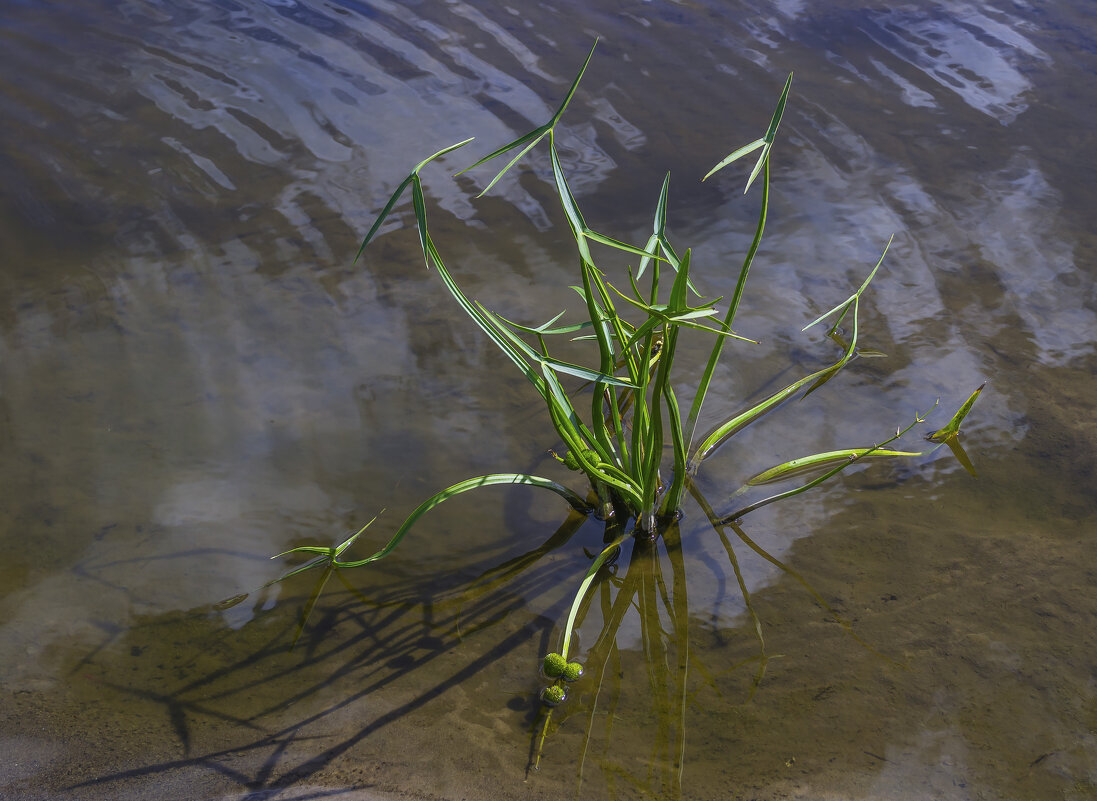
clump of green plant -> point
(634, 323)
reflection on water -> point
(193, 376)
(980, 54)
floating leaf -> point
(952, 428)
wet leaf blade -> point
(459, 488)
(952, 428)
(735, 155)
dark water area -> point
(194, 375)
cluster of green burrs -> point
(561, 671)
(571, 461)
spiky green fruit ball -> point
(553, 695)
(572, 671)
(571, 461)
(554, 665)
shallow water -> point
(194, 376)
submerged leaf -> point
(953, 444)
(228, 603)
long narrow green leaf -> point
(587, 374)
(400, 190)
(383, 215)
(673, 499)
(571, 209)
(765, 143)
(735, 155)
(440, 153)
(771, 133)
(602, 239)
(560, 366)
(541, 329)
(660, 316)
(577, 435)
(562, 413)
(805, 464)
(729, 318)
(952, 428)
(579, 228)
(845, 304)
(495, 333)
(544, 329)
(511, 163)
(659, 224)
(662, 388)
(620, 330)
(574, 85)
(326, 555)
(584, 585)
(617, 328)
(576, 502)
(745, 418)
(863, 453)
(606, 353)
(419, 203)
(537, 134)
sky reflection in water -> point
(193, 376)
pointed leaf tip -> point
(953, 427)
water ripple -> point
(962, 49)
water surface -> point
(194, 376)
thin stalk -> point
(621, 335)
(680, 615)
(729, 317)
(662, 392)
(673, 498)
(606, 355)
(654, 446)
(595, 566)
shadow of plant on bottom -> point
(634, 323)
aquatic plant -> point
(634, 323)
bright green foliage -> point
(554, 665)
(952, 428)
(553, 694)
(573, 671)
(634, 321)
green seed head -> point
(553, 695)
(554, 665)
(572, 671)
(592, 457)
(571, 462)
